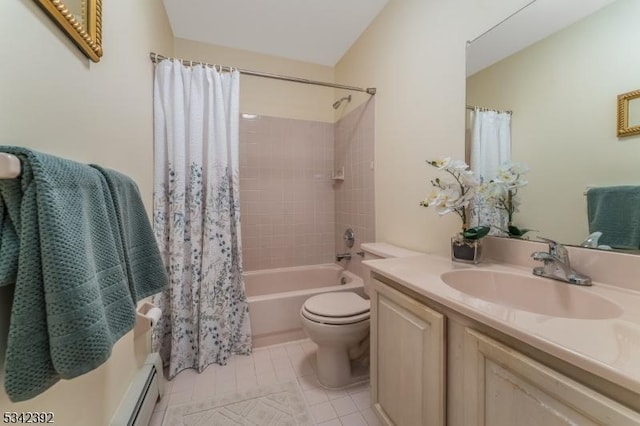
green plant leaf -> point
(517, 232)
(476, 232)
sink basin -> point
(531, 294)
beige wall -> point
(563, 91)
(54, 100)
(265, 96)
(414, 53)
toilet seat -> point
(337, 308)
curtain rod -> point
(155, 58)
(488, 109)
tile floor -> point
(273, 364)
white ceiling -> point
(322, 31)
(316, 31)
(535, 22)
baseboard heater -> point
(137, 406)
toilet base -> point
(338, 345)
(336, 370)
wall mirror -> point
(562, 87)
(81, 20)
(629, 113)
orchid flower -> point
(503, 189)
(454, 197)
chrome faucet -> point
(340, 256)
(556, 265)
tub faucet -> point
(556, 265)
(340, 256)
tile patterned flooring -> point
(273, 364)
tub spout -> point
(341, 256)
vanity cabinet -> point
(504, 388)
(407, 359)
(431, 365)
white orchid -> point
(449, 198)
(469, 178)
(458, 166)
(453, 197)
(492, 192)
(433, 198)
(441, 163)
(503, 189)
(510, 175)
(518, 168)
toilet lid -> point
(335, 320)
(337, 305)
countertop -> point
(608, 348)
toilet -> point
(338, 322)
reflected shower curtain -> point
(196, 217)
(490, 148)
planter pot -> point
(466, 251)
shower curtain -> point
(490, 148)
(196, 217)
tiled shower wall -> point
(354, 150)
(292, 212)
(286, 196)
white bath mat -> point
(277, 404)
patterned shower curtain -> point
(490, 148)
(196, 217)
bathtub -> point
(276, 296)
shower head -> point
(337, 103)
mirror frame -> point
(623, 114)
(89, 39)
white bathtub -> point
(275, 297)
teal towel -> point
(9, 242)
(614, 211)
(145, 270)
(61, 244)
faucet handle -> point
(553, 245)
(556, 249)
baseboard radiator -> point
(137, 406)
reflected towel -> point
(615, 211)
(62, 246)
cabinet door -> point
(407, 359)
(505, 387)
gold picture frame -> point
(86, 35)
(624, 109)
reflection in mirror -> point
(562, 90)
(634, 112)
(78, 9)
(629, 114)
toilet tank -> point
(374, 251)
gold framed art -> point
(81, 20)
(629, 113)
